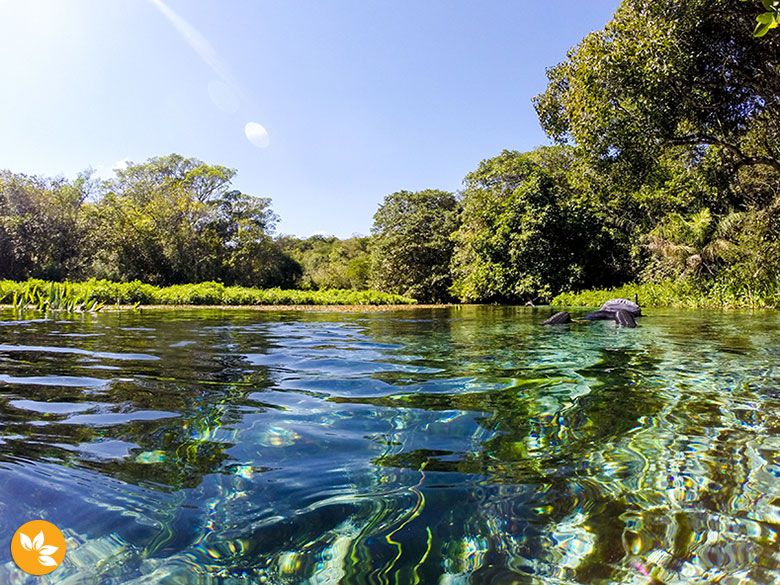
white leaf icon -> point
(26, 542)
(47, 561)
(48, 550)
(38, 541)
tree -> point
(329, 262)
(166, 174)
(669, 73)
(243, 225)
(412, 246)
(175, 220)
(42, 226)
(674, 109)
(526, 234)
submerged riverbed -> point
(445, 446)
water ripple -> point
(423, 446)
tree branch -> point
(742, 158)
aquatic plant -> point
(93, 294)
(49, 297)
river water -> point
(433, 446)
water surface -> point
(442, 446)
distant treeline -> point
(666, 169)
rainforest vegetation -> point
(664, 175)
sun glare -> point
(256, 134)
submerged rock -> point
(558, 319)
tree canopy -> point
(412, 248)
(526, 235)
(42, 226)
(329, 262)
(660, 74)
(176, 220)
(673, 110)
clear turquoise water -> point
(416, 446)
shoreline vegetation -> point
(268, 308)
(678, 294)
(95, 294)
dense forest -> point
(665, 170)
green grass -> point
(683, 294)
(204, 293)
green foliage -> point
(525, 234)
(769, 19)
(90, 294)
(688, 294)
(42, 226)
(174, 220)
(412, 246)
(674, 115)
(170, 220)
(328, 262)
(685, 72)
(51, 297)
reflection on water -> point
(418, 446)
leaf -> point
(766, 18)
(26, 542)
(768, 4)
(48, 550)
(761, 30)
(38, 541)
(47, 561)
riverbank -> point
(33, 293)
(678, 294)
(309, 308)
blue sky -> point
(350, 100)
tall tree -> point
(175, 220)
(674, 108)
(669, 73)
(412, 245)
(42, 226)
(243, 225)
(525, 234)
(157, 216)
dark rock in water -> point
(558, 319)
(625, 319)
(615, 305)
(621, 317)
(600, 315)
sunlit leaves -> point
(412, 246)
(174, 220)
(43, 228)
(525, 234)
(664, 74)
(769, 19)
